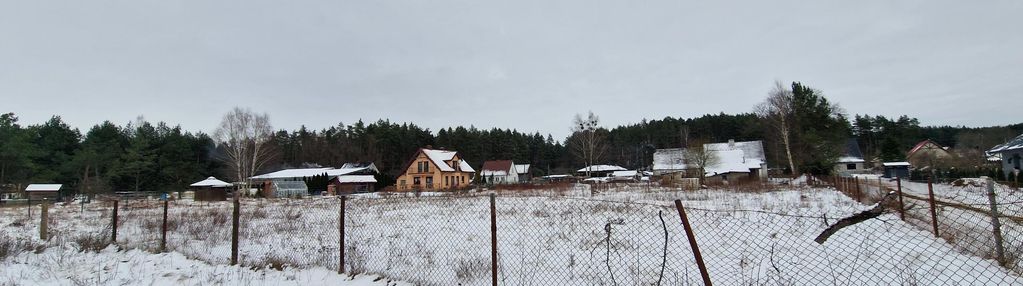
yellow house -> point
(435, 170)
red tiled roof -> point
(498, 165)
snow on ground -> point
(627, 234)
(66, 265)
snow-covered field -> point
(627, 235)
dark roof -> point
(1014, 144)
(498, 165)
(852, 149)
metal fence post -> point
(234, 232)
(493, 240)
(934, 211)
(163, 228)
(341, 232)
(692, 242)
(902, 204)
(996, 224)
(43, 216)
(113, 225)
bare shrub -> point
(92, 242)
(11, 247)
(472, 269)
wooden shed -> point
(896, 169)
(38, 192)
(210, 189)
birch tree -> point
(777, 110)
(244, 135)
(587, 144)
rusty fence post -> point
(163, 228)
(934, 211)
(341, 232)
(996, 224)
(692, 242)
(43, 216)
(493, 240)
(113, 225)
(902, 204)
(234, 231)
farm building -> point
(210, 189)
(352, 184)
(499, 172)
(851, 162)
(37, 192)
(1011, 154)
(625, 176)
(433, 169)
(350, 177)
(928, 154)
(896, 169)
(735, 161)
(599, 170)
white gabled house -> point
(499, 172)
(1011, 153)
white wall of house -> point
(1012, 160)
(506, 177)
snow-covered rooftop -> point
(669, 159)
(895, 164)
(43, 187)
(730, 161)
(440, 158)
(750, 149)
(624, 173)
(356, 179)
(848, 159)
(308, 172)
(1014, 144)
(211, 182)
(522, 168)
(601, 168)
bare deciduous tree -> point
(777, 111)
(587, 144)
(698, 158)
(244, 135)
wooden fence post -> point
(163, 228)
(859, 193)
(996, 224)
(43, 216)
(902, 204)
(493, 240)
(113, 225)
(692, 242)
(341, 229)
(234, 231)
(934, 211)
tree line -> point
(802, 131)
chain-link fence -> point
(583, 236)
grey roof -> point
(1014, 144)
(852, 149)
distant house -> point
(499, 172)
(851, 162)
(435, 170)
(735, 161)
(36, 192)
(523, 171)
(928, 153)
(599, 170)
(351, 177)
(1011, 154)
(210, 189)
(896, 169)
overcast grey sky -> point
(524, 64)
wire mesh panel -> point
(139, 224)
(422, 240)
(279, 233)
(200, 230)
(577, 241)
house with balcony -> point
(435, 170)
